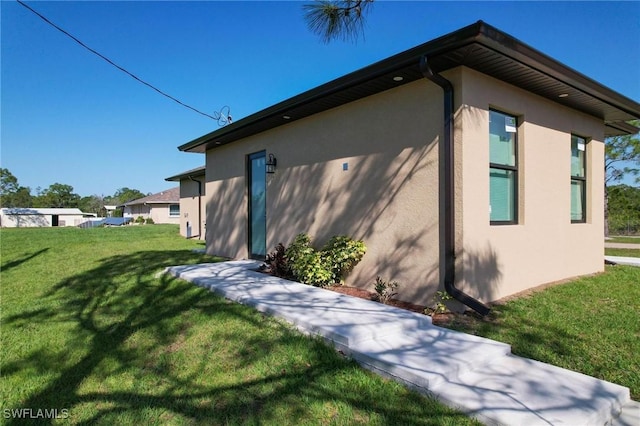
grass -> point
(589, 325)
(626, 252)
(90, 327)
(627, 240)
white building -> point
(20, 217)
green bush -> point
(139, 219)
(327, 266)
(385, 290)
(305, 263)
(149, 221)
(341, 254)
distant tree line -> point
(624, 210)
(622, 202)
(59, 195)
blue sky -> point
(69, 117)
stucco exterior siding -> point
(499, 260)
(189, 204)
(375, 169)
(159, 213)
(388, 196)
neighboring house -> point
(192, 205)
(39, 217)
(163, 207)
(472, 162)
(110, 210)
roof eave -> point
(199, 171)
(527, 55)
(620, 128)
(453, 40)
(480, 34)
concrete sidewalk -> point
(475, 375)
(622, 260)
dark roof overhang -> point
(478, 46)
(198, 171)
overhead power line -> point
(222, 117)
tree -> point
(124, 195)
(11, 193)
(58, 195)
(624, 200)
(332, 19)
(8, 182)
(624, 209)
(93, 204)
(22, 198)
(621, 158)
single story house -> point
(18, 217)
(163, 207)
(110, 210)
(192, 205)
(472, 162)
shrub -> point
(139, 219)
(277, 262)
(341, 254)
(385, 290)
(149, 221)
(440, 306)
(327, 266)
(305, 263)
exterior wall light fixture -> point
(271, 164)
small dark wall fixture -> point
(271, 164)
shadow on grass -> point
(9, 265)
(528, 337)
(124, 323)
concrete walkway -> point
(622, 245)
(475, 375)
(622, 260)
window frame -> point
(581, 179)
(506, 167)
(174, 215)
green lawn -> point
(622, 252)
(628, 240)
(88, 326)
(590, 325)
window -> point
(503, 168)
(578, 179)
(174, 210)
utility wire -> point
(222, 119)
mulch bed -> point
(437, 319)
(369, 295)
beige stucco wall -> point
(189, 204)
(159, 213)
(388, 197)
(544, 246)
